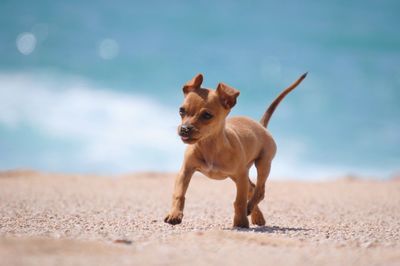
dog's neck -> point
(214, 143)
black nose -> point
(185, 129)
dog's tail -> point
(267, 115)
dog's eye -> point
(182, 111)
(206, 116)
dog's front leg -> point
(240, 204)
(178, 198)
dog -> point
(219, 148)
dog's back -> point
(253, 137)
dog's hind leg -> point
(263, 165)
(257, 217)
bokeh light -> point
(108, 49)
(26, 43)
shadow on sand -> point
(269, 229)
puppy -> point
(221, 148)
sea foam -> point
(116, 132)
(84, 127)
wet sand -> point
(48, 219)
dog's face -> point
(203, 111)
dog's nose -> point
(185, 129)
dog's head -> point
(203, 111)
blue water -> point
(54, 109)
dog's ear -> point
(193, 84)
(227, 95)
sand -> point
(48, 219)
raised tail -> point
(267, 115)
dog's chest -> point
(213, 170)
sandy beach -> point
(48, 219)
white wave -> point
(116, 132)
(121, 131)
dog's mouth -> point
(185, 138)
(188, 139)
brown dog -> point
(221, 148)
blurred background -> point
(94, 86)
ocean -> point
(95, 87)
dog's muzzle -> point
(185, 130)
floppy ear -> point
(227, 95)
(193, 84)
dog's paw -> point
(241, 222)
(257, 217)
(174, 218)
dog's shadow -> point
(268, 229)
